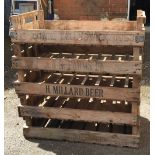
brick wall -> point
(91, 9)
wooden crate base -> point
(82, 131)
(41, 90)
(109, 129)
(86, 136)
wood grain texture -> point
(141, 20)
(78, 65)
(82, 136)
(128, 94)
(17, 51)
(91, 25)
(29, 20)
(78, 37)
(78, 115)
(136, 84)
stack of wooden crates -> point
(79, 80)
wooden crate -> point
(32, 28)
(78, 81)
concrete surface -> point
(15, 144)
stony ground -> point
(15, 144)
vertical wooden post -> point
(35, 51)
(136, 84)
(41, 19)
(18, 52)
(141, 19)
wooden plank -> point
(31, 25)
(129, 94)
(78, 65)
(84, 80)
(136, 84)
(141, 19)
(98, 80)
(78, 115)
(71, 79)
(17, 50)
(78, 37)
(81, 104)
(91, 25)
(41, 19)
(113, 81)
(126, 85)
(82, 136)
(141, 15)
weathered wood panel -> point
(125, 38)
(129, 94)
(82, 136)
(75, 65)
(34, 18)
(78, 115)
(91, 25)
(136, 83)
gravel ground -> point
(15, 144)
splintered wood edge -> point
(82, 136)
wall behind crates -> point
(7, 10)
(91, 9)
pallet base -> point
(82, 136)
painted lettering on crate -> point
(83, 36)
(74, 91)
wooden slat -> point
(82, 136)
(126, 85)
(78, 65)
(98, 80)
(85, 79)
(17, 51)
(141, 15)
(78, 115)
(78, 37)
(129, 94)
(136, 84)
(141, 19)
(91, 25)
(112, 81)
